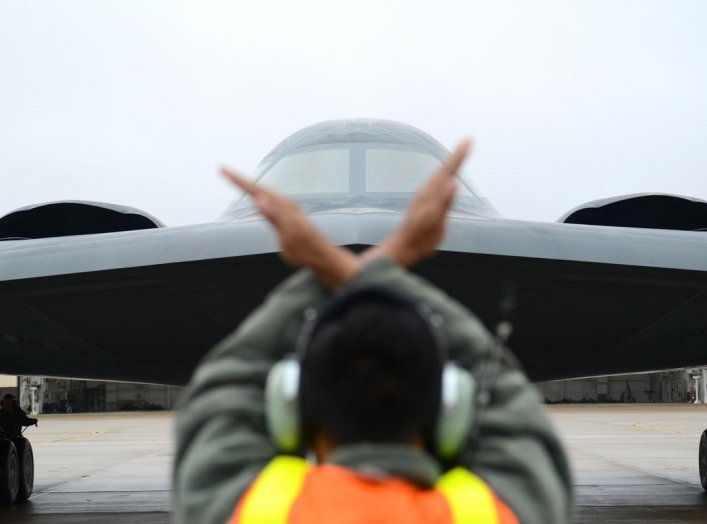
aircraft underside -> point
(154, 323)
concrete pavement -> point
(632, 463)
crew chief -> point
(369, 396)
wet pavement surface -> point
(632, 463)
(635, 463)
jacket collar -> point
(379, 461)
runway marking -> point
(72, 437)
(103, 443)
(646, 427)
(631, 437)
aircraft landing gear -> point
(26, 460)
(16, 470)
(9, 472)
(703, 459)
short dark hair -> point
(372, 373)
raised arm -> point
(24, 419)
(424, 224)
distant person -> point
(413, 410)
(13, 418)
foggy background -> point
(138, 102)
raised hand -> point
(301, 243)
(425, 221)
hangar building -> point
(59, 395)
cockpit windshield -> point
(360, 163)
(351, 168)
(310, 172)
(394, 171)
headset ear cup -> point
(455, 410)
(282, 408)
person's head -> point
(371, 372)
(8, 402)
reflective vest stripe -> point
(468, 496)
(270, 498)
(272, 495)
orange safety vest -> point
(289, 491)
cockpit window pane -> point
(399, 171)
(323, 171)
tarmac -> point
(632, 463)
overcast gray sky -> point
(137, 102)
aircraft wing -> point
(147, 305)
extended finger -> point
(446, 171)
(451, 166)
(267, 201)
(240, 181)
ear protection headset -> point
(283, 388)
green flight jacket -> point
(223, 442)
